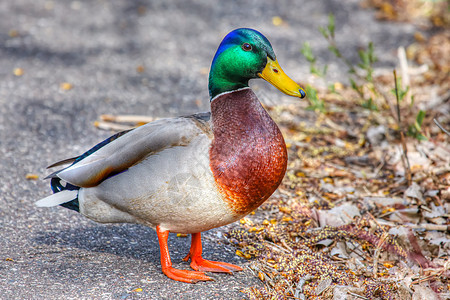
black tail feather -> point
(58, 187)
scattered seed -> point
(140, 69)
(277, 21)
(13, 33)
(18, 71)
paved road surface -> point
(97, 46)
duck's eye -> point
(246, 47)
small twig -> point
(357, 296)
(388, 213)
(354, 251)
(111, 126)
(252, 268)
(356, 173)
(426, 278)
(429, 227)
(335, 126)
(283, 242)
(126, 118)
(339, 259)
(376, 222)
(276, 247)
(440, 126)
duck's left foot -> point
(203, 265)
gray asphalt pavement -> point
(97, 46)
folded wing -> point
(132, 147)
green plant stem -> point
(405, 159)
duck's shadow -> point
(130, 241)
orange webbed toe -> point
(198, 263)
(185, 276)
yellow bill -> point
(273, 74)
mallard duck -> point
(193, 173)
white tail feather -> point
(57, 198)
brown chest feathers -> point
(248, 153)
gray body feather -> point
(156, 174)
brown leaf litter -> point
(346, 223)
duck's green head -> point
(245, 54)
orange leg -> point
(200, 264)
(166, 263)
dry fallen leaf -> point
(66, 86)
(30, 176)
(18, 72)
